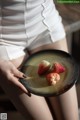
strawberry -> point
(43, 67)
(52, 78)
(58, 68)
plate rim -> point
(61, 91)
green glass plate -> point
(38, 84)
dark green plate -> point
(38, 85)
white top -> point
(22, 19)
(25, 18)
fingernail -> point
(24, 76)
(29, 94)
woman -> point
(28, 26)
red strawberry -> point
(43, 67)
(52, 78)
(58, 68)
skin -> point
(64, 107)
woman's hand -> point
(11, 75)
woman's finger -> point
(17, 73)
(18, 84)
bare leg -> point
(65, 106)
(36, 106)
(68, 108)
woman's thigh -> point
(60, 45)
(18, 62)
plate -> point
(38, 85)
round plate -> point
(38, 84)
